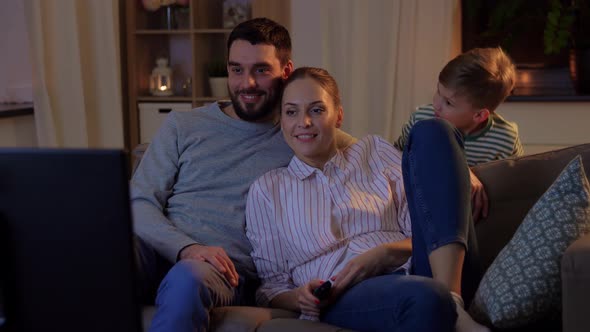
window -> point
(519, 26)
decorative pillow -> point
(523, 284)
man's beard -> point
(264, 110)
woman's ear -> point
(340, 117)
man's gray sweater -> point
(192, 182)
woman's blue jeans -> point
(438, 191)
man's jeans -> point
(437, 185)
(187, 291)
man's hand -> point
(215, 256)
(479, 198)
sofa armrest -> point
(575, 275)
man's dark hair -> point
(264, 31)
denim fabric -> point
(187, 292)
(438, 191)
(394, 302)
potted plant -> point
(569, 27)
(217, 71)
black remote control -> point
(322, 292)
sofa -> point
(513, 186)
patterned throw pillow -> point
(523, 284)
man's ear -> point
(287, 69)
(481, 116)
(340, 117)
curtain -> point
(384, 54)
(75, 56)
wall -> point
(545, 126)
(15, 66)
(15, 75)
(18, 131)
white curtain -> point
(76, 72)
(385, 54)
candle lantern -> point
(161, 79)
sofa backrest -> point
(137, 154)
(513, 186)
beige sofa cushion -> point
(250, 319)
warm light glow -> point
(525, 77)
(163, 88)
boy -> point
(470, 88)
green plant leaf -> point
(553, 18)
(563, 34)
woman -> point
(344, 215)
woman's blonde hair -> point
(321, 76)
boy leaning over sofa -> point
(470, 88)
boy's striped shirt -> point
(498, 140)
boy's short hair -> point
(485, 76)
(264, 31)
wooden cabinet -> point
(193, 39)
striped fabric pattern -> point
(305, 223)
(498, 141)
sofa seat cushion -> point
(249, 319)
(523, 284)
(229, 319)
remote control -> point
(322, 292)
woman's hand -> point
(371, 263)
(309, 304)
(366, 265)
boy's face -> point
(458, 110)
(255, 77)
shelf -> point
(12, 110)
(211, 98)
(164, 99)
(162, 32)
(181, 31)
(180, 98)
(548, 98)
(205, 31)
(196, 39)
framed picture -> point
(236, 12)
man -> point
(189, 192)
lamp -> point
(161, 79)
